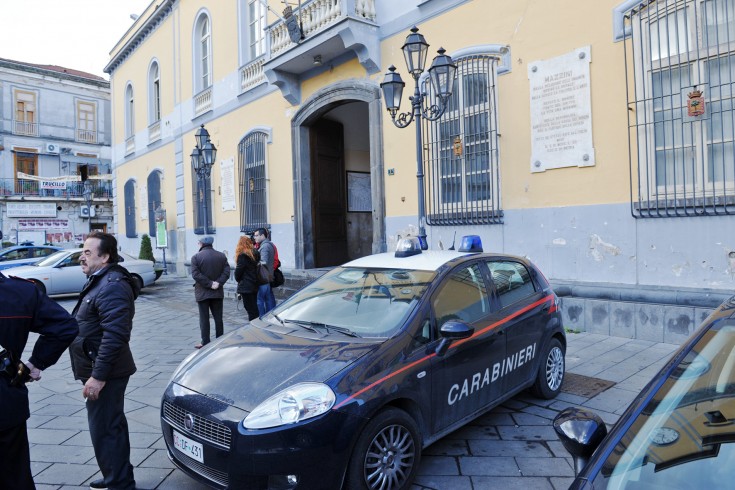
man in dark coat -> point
(101, 357)
(210, 270)
(24, 309)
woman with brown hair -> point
(246, 270)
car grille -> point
(219, 477)
(212, 432)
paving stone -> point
(488, 466)
(510, 483)
(614, 400)
(544, 467)
(66, 474)
(448, 447)
(508, 448)
(50, 436)
(475, 432)
(438, 465)
(530, 419)
(561, 483)
(52, 453)
(530, 433)
(427, 482)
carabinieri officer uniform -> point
(25, 309)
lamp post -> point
(442, 74)
(202, 159)
(87, 194)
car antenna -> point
(453, 238)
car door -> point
(520, 307)
(67, 276)
(463, 376)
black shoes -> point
(98, 485)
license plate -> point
(191, 448)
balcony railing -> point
(129, 145)
(86, 136)
(317, 15)
(154, 132)
(101, 189)
(203, 102)
(25, 128)
(252, 75)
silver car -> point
(60, 273)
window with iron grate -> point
(680, 67)
(461, 149)
(252, 171)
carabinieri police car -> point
(343, 384)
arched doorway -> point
(338, 168)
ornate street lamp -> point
(202, 158)
(442, 73)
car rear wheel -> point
(39, 285)
(387, 454)
(551, 371)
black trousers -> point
(15, 459)
(108, 429)
(215, 306)
(250, 301)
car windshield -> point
(52, 259)
(685, 436)
(366, 302)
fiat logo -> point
(189, 422)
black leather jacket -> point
(105, 313)
(24, 309)
(246, 273)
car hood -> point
(21, 270)
(251, 364)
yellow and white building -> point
(575, 134)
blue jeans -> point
(266, 299)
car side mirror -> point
(580, 432)
(450, 331)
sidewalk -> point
(513, 446)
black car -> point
(679, 432)
(346, 382)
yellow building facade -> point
(570, 136)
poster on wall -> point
(359, 199)
(561, 120)
(227, 184)
(143, 196)
(27, 209)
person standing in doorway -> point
(101, 356)
(266, 299)
(246, 272)
(25, 309)
(210, 270)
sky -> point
(76, 34)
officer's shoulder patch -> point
(21, 279)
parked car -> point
(678, 433)
(18, 255)
(60, 273)
(346, 382)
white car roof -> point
(429, 260)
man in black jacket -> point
(210, 270)
(24, 309)
(101, 357)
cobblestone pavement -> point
(513, 446)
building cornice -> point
(29, 68)
(149, 26)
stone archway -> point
(311, 111)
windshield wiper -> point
(312, 326)
(277, 318)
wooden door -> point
(328, 193)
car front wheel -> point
(387, 454)
(551, 371)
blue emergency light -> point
(471, 243)
(408, 246)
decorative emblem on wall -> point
(457, 146)
(293, 24)
(695, 104)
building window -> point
(86, 122)
(25, 119)
(256, 29)
(251, 167)
(154, 200)
(130, 230)
(26, 162)
(154, 94)
(129, 112)
(203, 53)
(681, 60)
(462, 168)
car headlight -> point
(299, 402)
